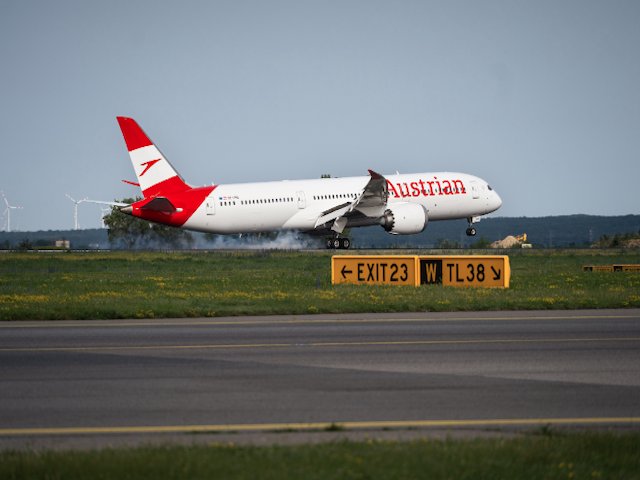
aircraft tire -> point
(329, 243)
(345, 243)
(472, 231)
(336, 243)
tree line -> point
(134, 232)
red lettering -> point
(455, 184)
(416, 190)
(439, 187)
(424, 192)
(390, 187)
(408, 194)
(447, 190)
(430, 188)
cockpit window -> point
(489, 187)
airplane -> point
(402, 204)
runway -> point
(464, 370)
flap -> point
(335, 212)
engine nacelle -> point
(405, 219)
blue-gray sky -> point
(539, 98)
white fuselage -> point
(266, 206)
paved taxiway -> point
(457, 367)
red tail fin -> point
(155, 174)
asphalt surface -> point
(110, 377)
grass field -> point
(571, 456)
(50, 286)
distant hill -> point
(557, 231)
(624, 240)
(567, 230)
(78, 238)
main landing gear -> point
(470, 231)
(337, 243)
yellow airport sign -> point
(465, 270)
(598, 268)
(375, 269)
(452, 270)
(611, 268)
(626, 268)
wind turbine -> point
(8, 212)
(104, 211)
(75, 213)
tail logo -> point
(149, 164)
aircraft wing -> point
(335, 212)
(373, 196)
(375, 193)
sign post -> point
(375, 269)
(451, 270)
(466, 270)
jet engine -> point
(404, 218)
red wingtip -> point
(133, 135)
(374, 175)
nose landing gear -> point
(338, 243)
(471, 231)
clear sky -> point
(539, 98)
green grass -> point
(577, 456)
(50, 286)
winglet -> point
(375, 176)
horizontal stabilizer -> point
(113, 204)
(159, 204)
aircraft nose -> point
(496, 200)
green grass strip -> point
(545, 456)
(125, 285)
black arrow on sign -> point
(497, 274)
(343, 271)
